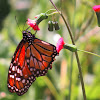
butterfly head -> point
(27, 36)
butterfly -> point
(32, 58)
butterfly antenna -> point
(35, 32)
(24, 26)
(17, 23)
(28, 28)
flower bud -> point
(32, 23)
(60, 44)
(56, 26)
(50, 25)
(96, 8)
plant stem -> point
(70, 77)
(52, 13)
(88, 52)
(50, 10)
(76, 54)
(81, 77)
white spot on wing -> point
(12, 76)
(23, 81)
(14, 61)
(12, 88)
(16, 89)
(18, 78)
(28, 61)
(45, 42)
(18, 70)
(13, 68)
(9, 71)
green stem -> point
(88, 52)
(70, 84)
(50, 10)
(76, 54)
(52, 13)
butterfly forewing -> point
(32, 58)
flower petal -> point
(32, 23)
(60, 44)
(96, 8)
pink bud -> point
(60, 44)
(96, 8)
(32, 23)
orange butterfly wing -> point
(41, 56)
(19, 76)
(30, 60)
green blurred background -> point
(56, 84)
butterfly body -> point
(32, 58)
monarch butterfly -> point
(32, 58)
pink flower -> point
(32, 23)
(60, 44)
(96, 8)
